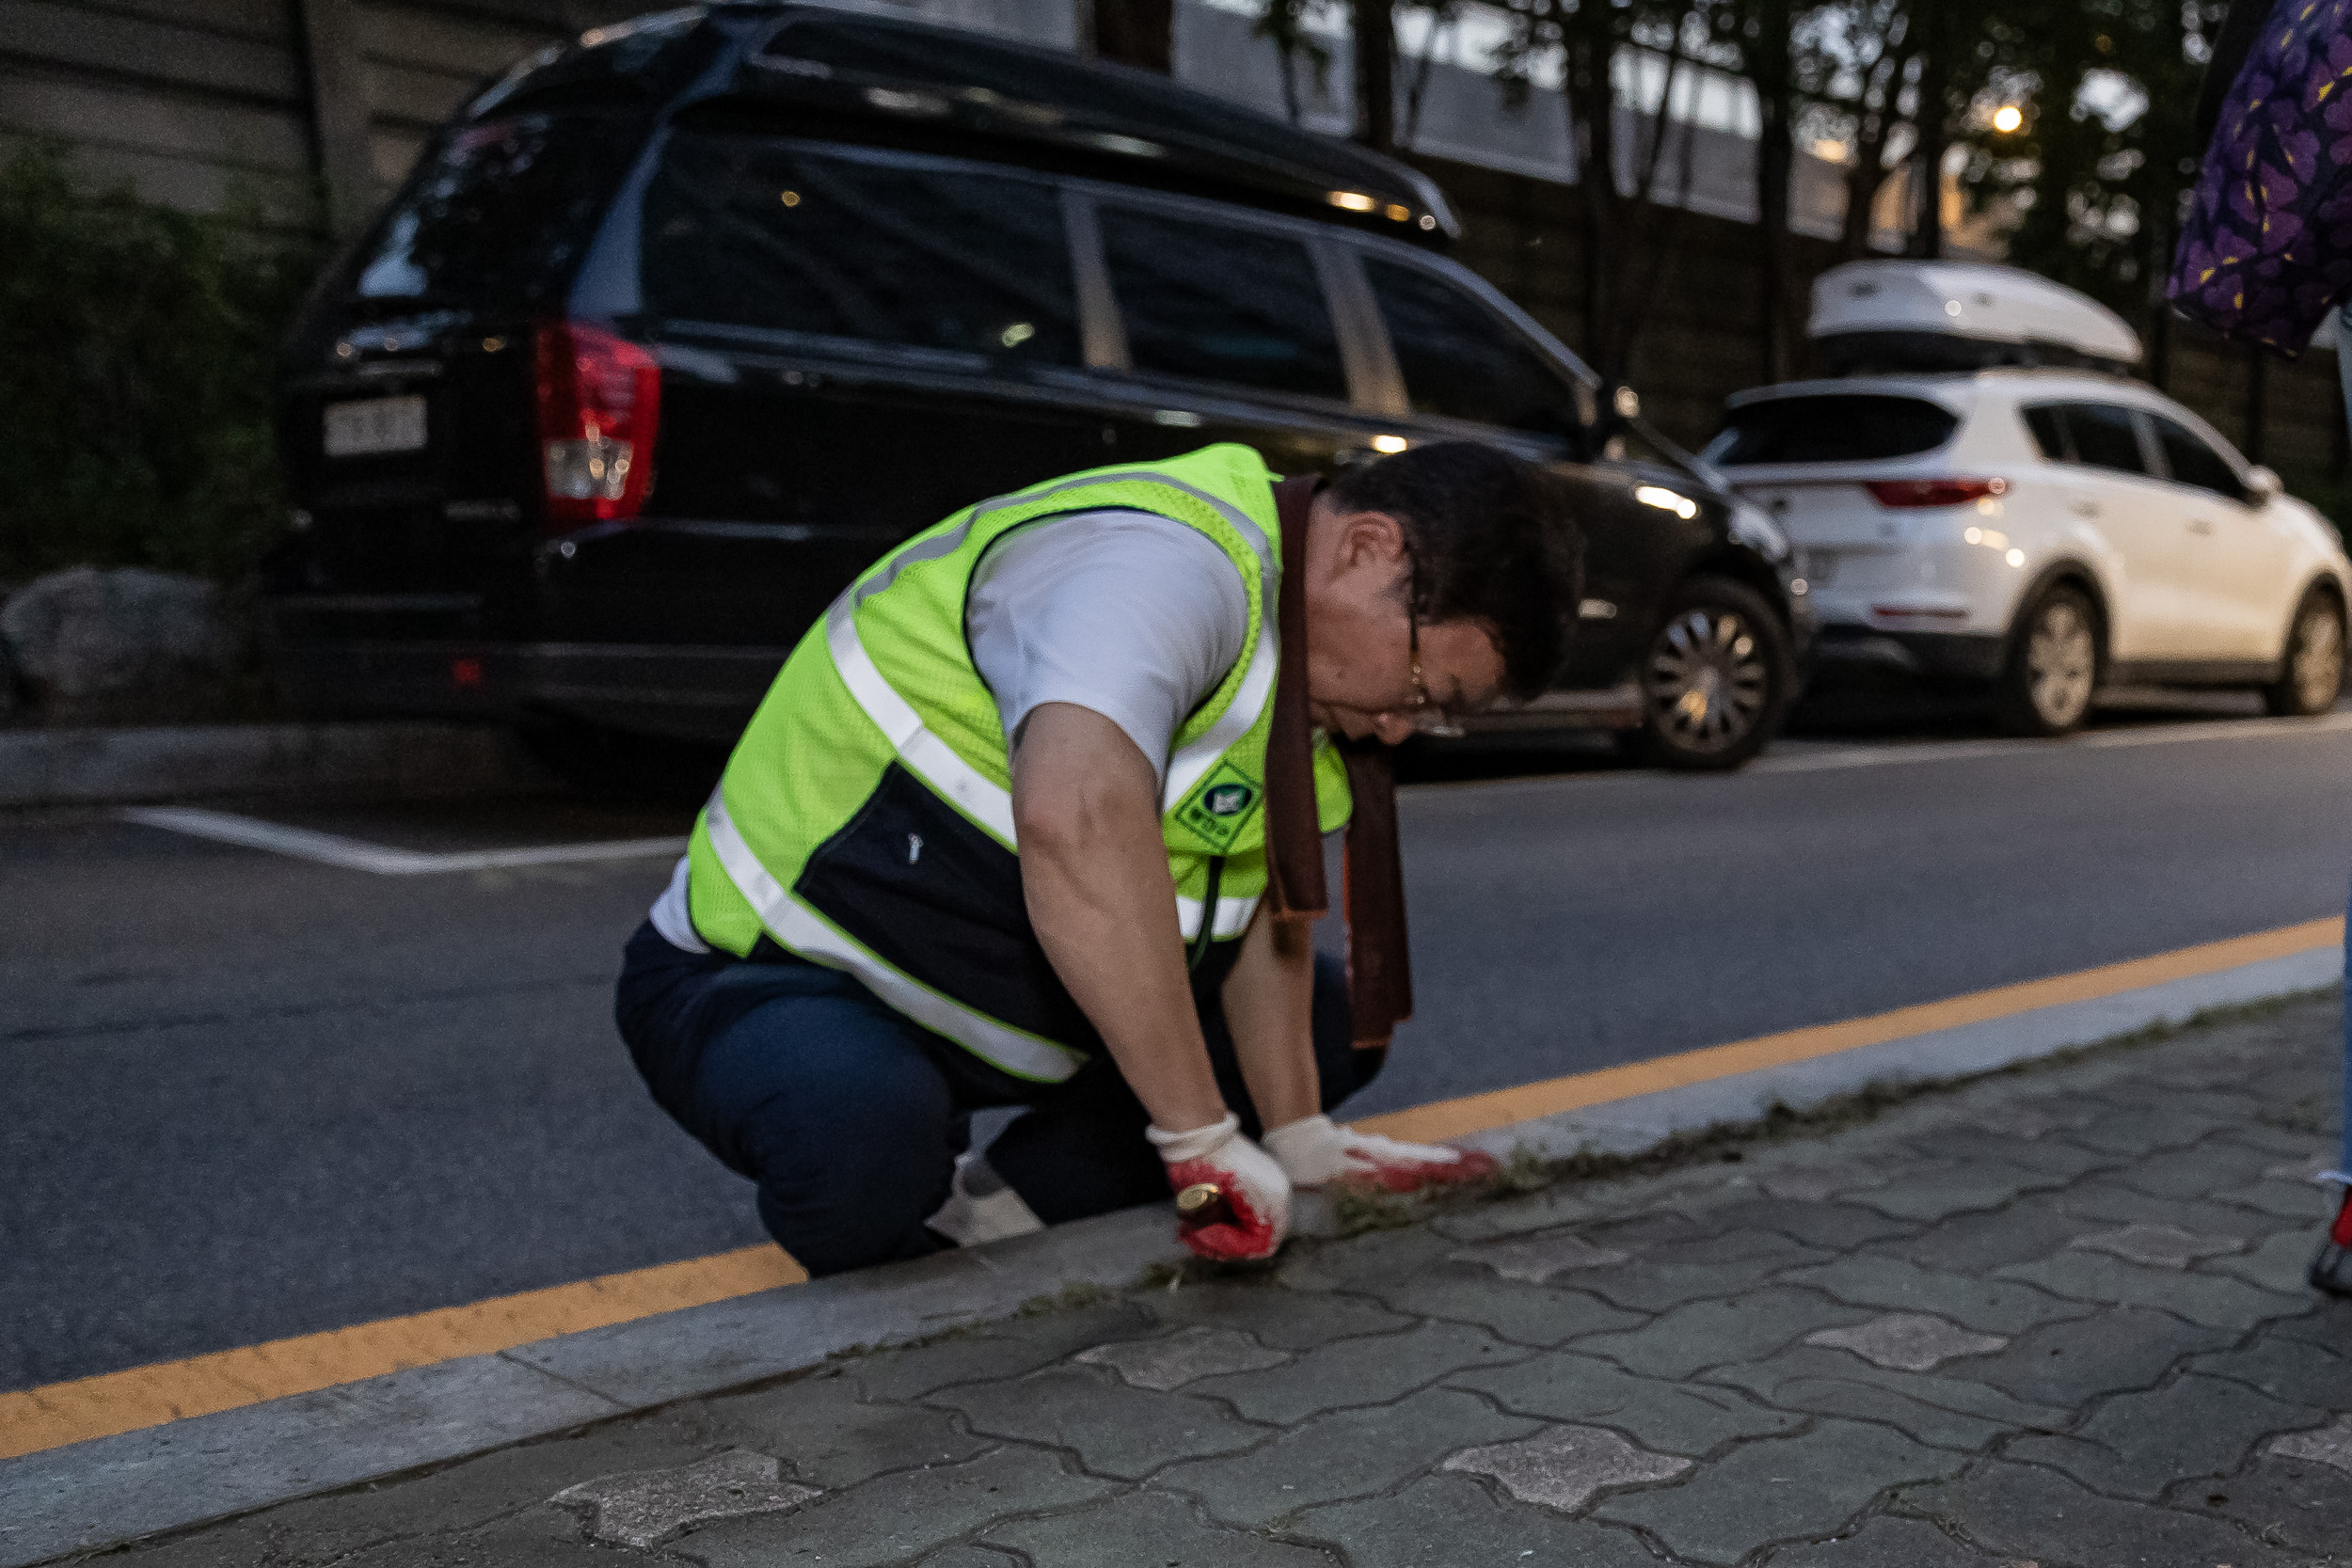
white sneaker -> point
(982, 1206)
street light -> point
(2008, 117)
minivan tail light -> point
(599, 406)
(1903, 493)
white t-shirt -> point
(1133, 616)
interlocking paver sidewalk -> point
(2051, 1318)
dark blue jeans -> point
(849, 1116)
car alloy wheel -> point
(2061, 663)
(1708, 679)
(2313, 675)
(2053, 668)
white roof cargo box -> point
(1960, 315)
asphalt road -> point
(248, 1094)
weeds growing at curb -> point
(1782, 1123)
(1077, 1295)
(1357, 1212)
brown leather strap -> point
(1380, 964)
(1293, 837)
(1379, 971)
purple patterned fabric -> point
(2266, 248)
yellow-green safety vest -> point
(864, 820)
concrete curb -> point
(114, 1489)
(1642, 1122)
(119, 767)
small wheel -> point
(2311, 677)
(2052, 666)
(1716, 678)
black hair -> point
(1493, 538)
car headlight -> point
(1751, 528)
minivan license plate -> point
(375, 425)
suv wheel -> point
(2052, 666)
(1716, 677)
(2311, 676)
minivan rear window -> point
(501, 212)
(1832, 427)
(757, 231)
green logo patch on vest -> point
(1220, 808)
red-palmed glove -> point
(1316, 1151)
(1249, 1211)
(2331, 1270)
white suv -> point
(2042, 531)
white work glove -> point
(1314, 1152)
(1254, 1213)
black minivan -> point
(676, 330)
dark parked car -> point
(674, 330)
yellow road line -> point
(1478, 1113)
(61, 1412)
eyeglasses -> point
(1422, 713)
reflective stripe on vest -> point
(1232, 916)
(807, 932)
(959, 780)
(933, 761)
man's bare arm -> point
(1094, 870)
(1269, 1006)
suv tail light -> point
(1907, 493)
(600, 403)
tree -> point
(1284, 23)
(1375, 55)
(1867, 95)
(1133, 32)
(1627, 235)
(1373, 27)
(1970, 52)
(1760, 39)
(2107, 150)
(1442, 15)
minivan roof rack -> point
(912, 82)
(958, 81)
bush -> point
(136, 344)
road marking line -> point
(2222, 729)
(1480, 1113)
(113, 1403)
(1820, 756)
(354, 854)
(1957, 750)
(102, 1406)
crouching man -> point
(1032, 820)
